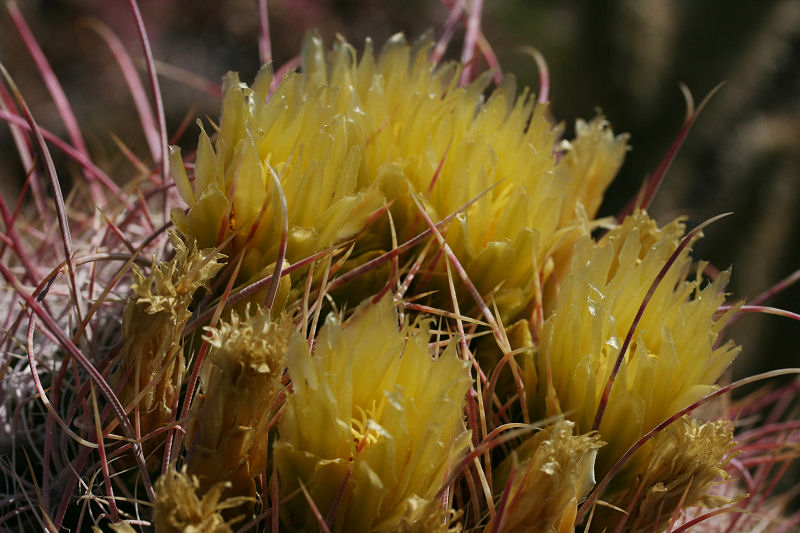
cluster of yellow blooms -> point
(381, 419)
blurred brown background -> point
(626, 57)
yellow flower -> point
(151, 363)
(673, 358)
(552, 472)
(302, 140)
(374, 423)
(226, 437)
(445, 145)
(346, 135)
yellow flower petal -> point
(374, 422)
(672, 360)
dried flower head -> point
(684, 464)
(178, 509)
(373, 425)
(151, 363)
(673, 358)
(227, 436)
(544, 480)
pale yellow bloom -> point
(314, 151)
(673, 359)
(444, 144)
(374, 423)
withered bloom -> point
(151, 363)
